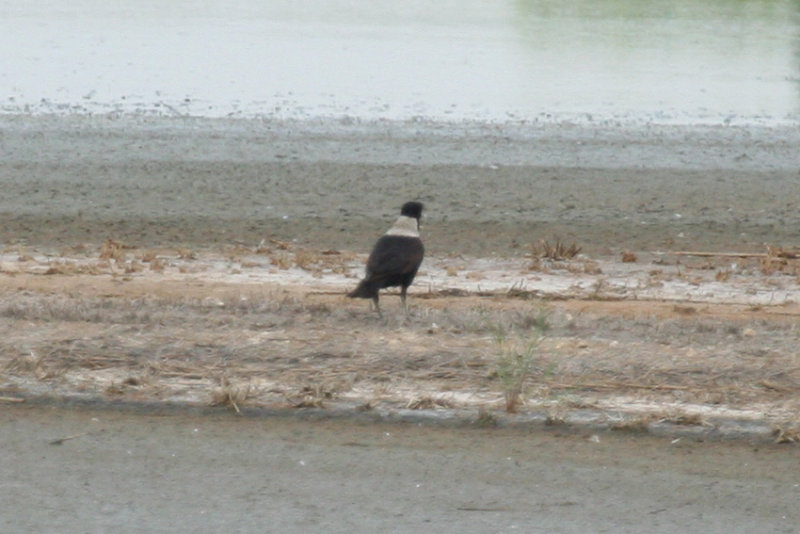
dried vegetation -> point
(557, 250)
(232, 345)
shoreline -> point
(71, 180)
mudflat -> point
(206, 261)
(489, 189)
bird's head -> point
(412, 209)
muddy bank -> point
(204, 183)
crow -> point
(395, 258)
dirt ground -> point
(205, 262)
(106, 470)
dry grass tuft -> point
(319, 262)
(186, 254)
(781, 260)
(555, 419)
(72, 268)
(24, 364)
(312, 396)
(485, 419)
(722, 275)
(585, 267)
(313, 261)
(281, 245)
(114, 390)
(238, 251)
(786, 435)
(113, 250)
(537, 265)
(151, 258)
(31, 364)
(157, 265)
(771, 265)
(790, 253)
(629, 257)
(308, 401)
(134, 266)
(684, 419)
(230, 395)
(148, 256)
(281, 260)
(429, 403)
(555, 251)
(517, 351)
(307, 260)
(639, 424)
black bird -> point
(395, 259)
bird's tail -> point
(364, 290)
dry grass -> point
(776, 260)
(310, 350)
(230, 395)
(639, 424)
(114, 250)
(722, 275)
(517, 352)
(297, 342)
(187, 338)
(781, 260)
(186, 254)
(426, 402)
(282, 260)
(683, 419)
(786, 434)
(312, 396)
(35, 366)
(554, 251)
(584, 267)
(485, 419)
(547, 257)
(58, 267)
(317, 262)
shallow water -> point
(684, 61)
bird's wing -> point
(395, 255)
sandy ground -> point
(154, 262)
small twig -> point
(59, 441)
(11, 399)
(612, 385)
(720, 254)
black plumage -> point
(395, 258)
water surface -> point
(682, 61)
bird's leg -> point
(377, 306)
(403, 298)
